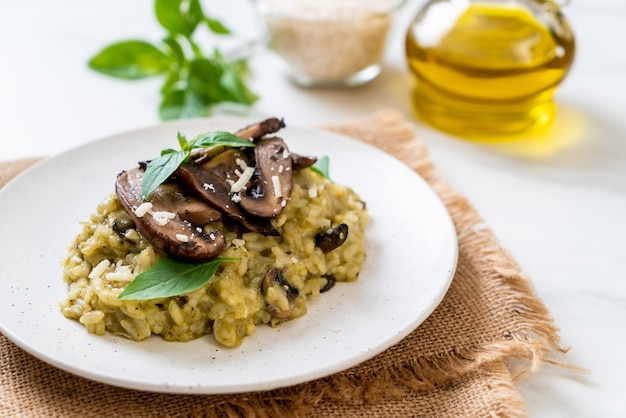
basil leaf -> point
(182, 142)
(178, 104)
(192, 85)
(179, 17)
(232, 82)
(240, 67)
(211, 139)
(159, 169)
(322, 166)
(176, 51)
(168, 151)
(171, 277)
(130, 60)
(192, 15)
(203, 74)
(168, 14)
(235, 87)
(216, 26)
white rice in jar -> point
(328, 39)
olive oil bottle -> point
(488, 69)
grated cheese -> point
(182, 238)
(144, 208)
(277, 189)
(241, 163)
(243, 180)
(162, 217)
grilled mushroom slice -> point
(331, 238)
(175, 197)
(213, 181)
(302, 161)
(273, 180)
(330, 282)
(164, 229)
(272, 286)
(259, 130)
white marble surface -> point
(559, 208)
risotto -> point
(266, 279)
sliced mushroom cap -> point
(331, 238)
(301, 162)
(272, 185)
(174, 197)
(259, 130)
(274, 280)
(213, 182)
(330, 283)
(166, 230)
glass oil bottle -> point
(487, 68)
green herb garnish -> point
(171, 277)
(159, 169)
(321, 166)
(194, 82)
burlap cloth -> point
(454, 364)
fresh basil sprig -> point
(171, 277)
(322, 166)
(193, 82)
(159, 169)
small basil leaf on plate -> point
(210, 139)
(130, 60)
(182, 142)
(168, 151)
(322, 166)
(159, 169)
(170, 277)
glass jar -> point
(488, 68)
(328, 43)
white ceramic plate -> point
(411, 257)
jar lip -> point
(265, 7)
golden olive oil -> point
(493, 72)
